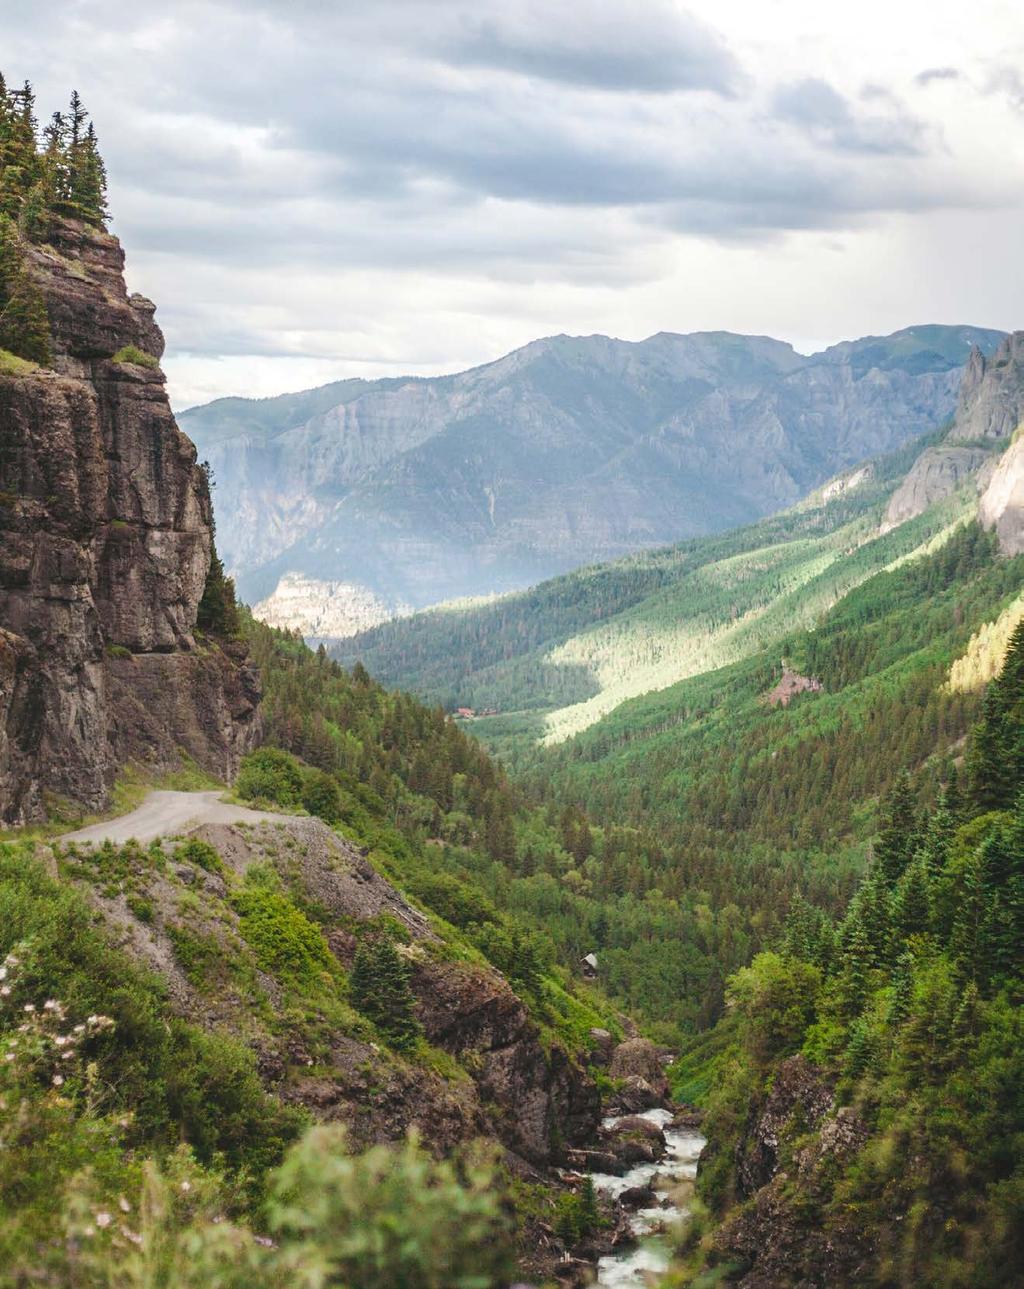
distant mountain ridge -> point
(568, 451)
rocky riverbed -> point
(657, 1191)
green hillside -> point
(716, 807)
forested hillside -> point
(865, 1092)
(555, 659)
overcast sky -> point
(311, 190)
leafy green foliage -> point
(284, 940)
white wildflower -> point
(103, 1220)
(58, 1080)
(123, 1205)
(186, 1187)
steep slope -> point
(865, 1105)
(106, 542)
(567, 451)
(990, 407)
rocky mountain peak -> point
(991, 401)
(105, 547)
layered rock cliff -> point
(990, 407)
(105, 546)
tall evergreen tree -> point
(379, 985)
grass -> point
(12, 365)
(136, 357)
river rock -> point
(634, 1096)
(638, 1197)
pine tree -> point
(24, 323)
(379, 986)
(897, 836)
(912, 907)
(902, 989)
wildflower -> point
(61, 1040)
(186, 1187)
(5, 992)
(265, 1242)
(3, 973)
(103, 1220)
(123, 1205)
(29, 1007)
(51, 1005)
(8, 1056)
(58, 1080)
(132, 1237)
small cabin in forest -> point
(588, 965)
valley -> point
(605, 824)
(373, 497)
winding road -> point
(169, 812)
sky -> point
(313, 190)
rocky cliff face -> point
(997, 402)
(990, 407)
(105, 544)
(991, 400)
(568, 451)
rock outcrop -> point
(999, 401)
(776, 1237)
(105, 545)
(990, 407)
(1002, 503)
(504, 1082)
(991, 400)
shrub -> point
(269, 774)
(137, 357)
(201, 853)
(391, 1216)
(283, 939)
(321, 796)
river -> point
(632, 1268)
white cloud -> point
(315, 189)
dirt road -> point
(169, 812)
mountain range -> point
(342, 506)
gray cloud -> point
(817, 107)
(257, 144)
(931, 74)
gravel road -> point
(169, 812)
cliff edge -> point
(106, 543)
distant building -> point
(588, 965)
(464, 712)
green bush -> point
(389, 1217)
(285, 942)
(137, 357)
(201, 853)
(269, 774)
(321, 796)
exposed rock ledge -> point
(105, 544)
